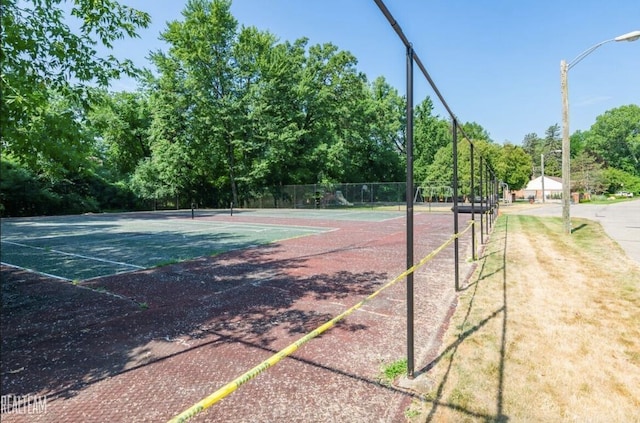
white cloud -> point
(590, 101)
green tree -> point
(577, 142)
(551, 145)
(530, 144)
(513, 166)
(389, 116)
(269, 74)
(236, 108)
(618, 180)
(43, 61)
(440, 172)
(441, 169)
(475, 131)
(614, 139)
(332, 93)
(431, 133)
(161, 175)
(375, 155)
(552, 139)
(586, 174)
(510, 163)
(196, 115)
(22, 193)
(122, 121)
(60, 144)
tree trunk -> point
(232, 176)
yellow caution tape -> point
(274, 359)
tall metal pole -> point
(409, 146)
(481, 202)
(487, 222)
(496, 196)
(542, 174)
(566, 150)
(566, 142)
(493, 200)
(455, 204)
(473, 211)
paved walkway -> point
(621, 221)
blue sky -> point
(496, 62)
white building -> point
(552, 188)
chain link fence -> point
(315, 196)
(329, 195)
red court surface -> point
(146, 345)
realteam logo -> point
(23, 404)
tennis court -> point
(90, 246)
(145, 345)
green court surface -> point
(354, 214)
(89, 246)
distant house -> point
(552, 189)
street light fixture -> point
(566, 147)
(542, 171)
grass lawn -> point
(548, 330)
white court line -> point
(89, 234)
(259, 226)
(355, 214)
(75, 255)
(363, 310)
(49, 275)
(393, 218)
(189, 225)
(35, 271)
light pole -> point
(542, 171)
(566, 147)
(542, 174)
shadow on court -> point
(146, 345)
(84, 247)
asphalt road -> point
(621, 221)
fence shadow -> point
(497, 246)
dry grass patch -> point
(548, 330)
